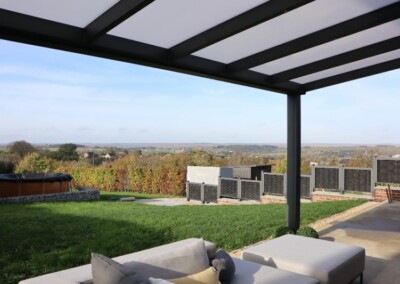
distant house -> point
(108, 156)
(89, 155)
(397, 156)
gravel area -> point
(164, 201)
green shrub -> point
(35, 163)
(283, 230)
(307, 232)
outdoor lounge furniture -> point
(329, 262)
(174, 260)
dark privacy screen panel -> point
(357, 180)
(327, 178)
(388, 171)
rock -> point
(127, 199)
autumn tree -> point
(21, 148)
(66, 152)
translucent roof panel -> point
(166, 23)
(384, 57)
(348, 43)
(72, 12)
(309, 18)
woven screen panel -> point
(251, 190)
(357, 180)
(229, 188)
(305, 191)
(274, 184)
(388, 171)
(327, 178)
(210, 193)
(194, 191)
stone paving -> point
(378, 231)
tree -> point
(280, 166)
(35, 163)
(66, 152)
(21, 148)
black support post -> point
(293, 160)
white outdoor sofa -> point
(285, 260)
(174, 260)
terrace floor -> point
(378, 231)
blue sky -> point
(51, 96)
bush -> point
(35, 163)
(307, 232)
(283, 230)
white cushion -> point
(250, 272)
(329, 262)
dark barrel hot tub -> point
(33, 184)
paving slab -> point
(378, 231)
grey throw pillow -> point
(225, 266)
(107, 271)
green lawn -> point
(41, 238)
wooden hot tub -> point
(33, 184)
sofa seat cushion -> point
(329, 262)
(250, 272)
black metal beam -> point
(337, 60)
(36, 31)
(360, 23)
(293, 160)
(244, 21)
(114, 16)
(352, 75)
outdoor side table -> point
(329, 262)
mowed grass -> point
(44, 237)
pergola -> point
(285, 46)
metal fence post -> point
(341, 179)
(285, 185)
(219, 187)
(312, 178)
(202, 192)
(262, 184)
(239, 187)
(374, 175)
(187, 191)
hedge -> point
(145, 180)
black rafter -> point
(337, 60)
(360, 23)
(114, 16)
(32, 30)
(246, 20)
(355, 74)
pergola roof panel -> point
(341, 45)
(357, 65)
(166, 23)
(71, 12)
(304, 20)
(285, 46)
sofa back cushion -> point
(183, 258)
(107, 271)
